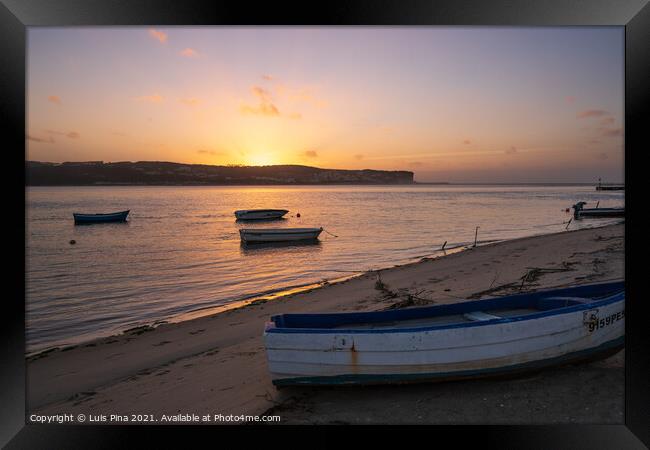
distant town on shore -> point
(169, 173)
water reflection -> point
(256, 248)
(254, 221)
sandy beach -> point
(217, 364)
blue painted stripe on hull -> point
(332, 323)
(405, 378)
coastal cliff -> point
(168, 173)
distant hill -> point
(168, 173)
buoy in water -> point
(72, 242)
(298, 215)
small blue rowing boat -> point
(496, 336)
(100, 218)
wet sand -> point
(217, 364)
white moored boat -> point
(278, 234)
(260, 214)
(475, 338)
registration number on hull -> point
(593, 322)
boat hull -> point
(279, 235)
(260, 214)
(100, 218)
(602, 212)
(454, 351)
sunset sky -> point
(482, 104)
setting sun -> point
(261, 159)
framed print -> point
(368, 213)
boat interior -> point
(479, 311)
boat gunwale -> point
(617, 296)
(279, 230)
(244, 211)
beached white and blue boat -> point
(100, 218)
(463, 340)
(249, 235)
(260, 214)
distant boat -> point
(609, 187)
(579, 211)
(497, 336)
(260, 214)
(100, 218)
(279, 234)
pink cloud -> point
(467, 142)
(591, 113)
(190, 53)
(267, 77)
(54, 99)
(68, 134)
(154, 98)
(49, 140)
(190, 101)
(311, 154)
(159, 35)
(266, 105)
(613, 132)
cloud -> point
(592, 113)
(601, 156)
(159, 35)
(263, 109)
(154, 98)
(265, 106)
(467, 142)
(607, 121)
(511, 151)
(68, 134)
(416, 164)
(267, 77)
(49, 140)
(358, 156)
(190, 101)
(310, 154)
(612, 132)
(300, 95)
(54, 99)
(209, 152)
(190, 53)
(570, 99)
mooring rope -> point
(329, 233)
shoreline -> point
(208, 311)
(219, 359)
(281, 293)
(272, 295)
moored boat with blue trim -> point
(100, 218)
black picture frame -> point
(634, 15)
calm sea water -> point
(180, 250)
